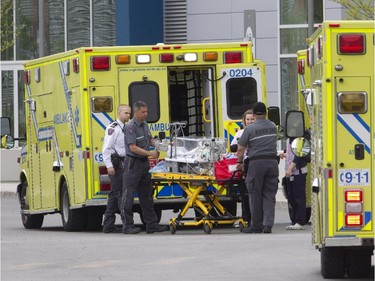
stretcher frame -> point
(195, 187)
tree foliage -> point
(358, 9)
(8, 30)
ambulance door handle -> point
(204, 110)
(359, 151)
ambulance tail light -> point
(105, 183)
(76, 65)
(232, 57)
(353, 207)
(100, 63)
(301, 67)
(166, 58)
(27, 77)
(351, 43)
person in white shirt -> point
(113, 157)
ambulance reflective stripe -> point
(357, 127)
(67, 97)
(102, 118)
(45, 134)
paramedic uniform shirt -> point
(113, 142)
(262, 174)
(138, 134)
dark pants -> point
(137, 179)
(297, 198)
(262, 183)
(245, 206)
(114, 200)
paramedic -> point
(136, 172)
(113, 157)
(247, 119)
(260, 138)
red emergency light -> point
(354, 195)
(100, 63)
(166, 58)
(350, 43)
(26, 78)
(76, 65)
(353, 220)
(232, 57)
(301, 67)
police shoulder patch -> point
(110, 131)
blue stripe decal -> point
(363, 123)
(347, 127)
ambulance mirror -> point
(294, 124)
(274, 115)
(300, 147)
(7, 142)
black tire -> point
(332, 262)
(72, 219)
(94, 218)
(32, 221)
(359, 263)
(29, 221)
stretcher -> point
(203, 198)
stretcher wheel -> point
(172, 229)
(207, 228)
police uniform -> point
(114, 146)
(262, 175)
(138, 178)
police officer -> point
(113, 157)
(260, 138)
(136, 172)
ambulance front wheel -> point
(29, 221)
(72, 219)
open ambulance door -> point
(240, 87)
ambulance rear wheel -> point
(72, 219)
(332, 262)
(29, 221)
(359, 263)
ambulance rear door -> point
(241, 87)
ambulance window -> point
(147, 92)
(241, 95)
(352, 102)
(102, 104)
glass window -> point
(28, 23)
(241, 95)
(104, 21)
(288, 80)
(53, 27)
(295, 11)
(147, 92)
(78, 23)
(21, 108)
(292, 40)
(102, 104)
(7, 30)
(7, 89)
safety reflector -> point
(353, 220)
(37, 75)
(76, 65)
(232, 57)
(123, 59)
(330, 173)
(100, 63)
(350, 43)
(301, 67)
(210, 56)
(353, 195)
(166, 58)
(26, 78)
